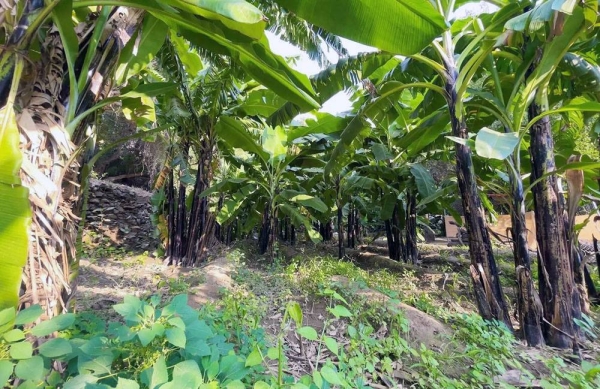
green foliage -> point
(311, 274)
(15, 214)
(98, 246)
(171, 345)
(399, 27)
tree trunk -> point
(412, 251)
(340, 216)
(597, 254)
(273, 236)
(220, 231)
(390, 240)
(171, 217)
(357, 229)
(292, 235)
(201, 234)
(589, 283)
(179, 249)
(48, 279)
(484, 273)
(350, 226)
(265, 233)
(396, 248)
(560, 300)
(529, 306)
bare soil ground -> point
(440, 279)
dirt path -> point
(105, 282)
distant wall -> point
(122, 214)
(503, 223)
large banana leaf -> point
(346, 73)
(298, 219)
(373, 110)
(234, 14)
(141, 48)
(554, 51)
(233, 34)
(322, 123)
(274, 142)
(233, 205)
(423, 179)
(398, 26)
(15, 213)
(235, 135)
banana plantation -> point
(457, 112)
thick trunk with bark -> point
(50, 273)
(340, 216)
(350, 226)
(559, 298)
(180, 220)
(292, 235)
(171, 217)
(357, 229)
(484, 273)
(200, 235)
(412, 251)
(396, 249)
(265, 230)
(529, 307)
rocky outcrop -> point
(122, 214)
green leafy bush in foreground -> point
(174, 346)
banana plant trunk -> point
(357, 227)
(484, 273)
(265, 233)
(200, 235)
(292, 235)
(412, 251)
(53, 166)
(179, 240)
(529, 306)
(559, 297)
(396, 249)
(350, 226)
(340, 218)
(220, 231)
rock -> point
(423, 328)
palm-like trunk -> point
(265, 230)
(350, 225)
(529, 308)
(340, 217)
(49, 168)
(412, 251)
(200, 234)
(484, 273)
(559, 298)
(396, 248)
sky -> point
(340, 102)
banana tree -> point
(269, 188)
(454, 72)
(550, 316)
(58, 103)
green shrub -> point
(173, 346)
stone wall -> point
(122, 214)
